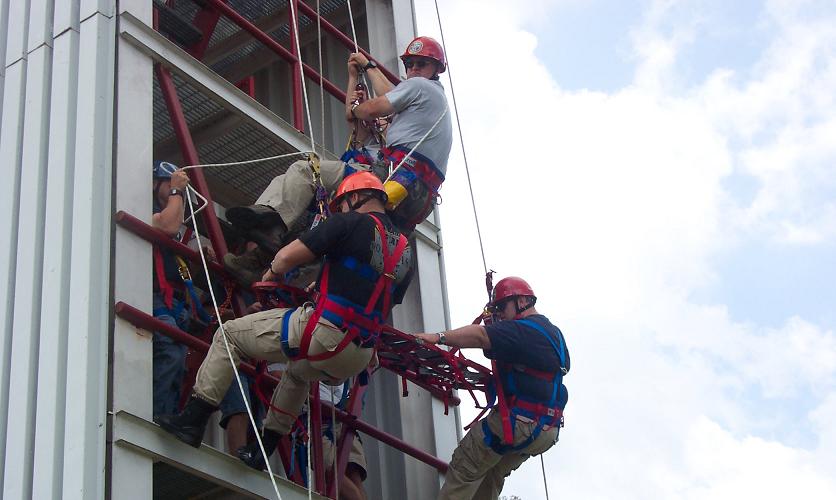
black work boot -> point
(190, 424)
(251, 453)
(253, 216)
(269, 239)
(248, 267)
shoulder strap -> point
(559, 350)
(387, 277)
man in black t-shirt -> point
(367, 266)
(531, 359)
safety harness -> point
(167, 290)
(416, 165)
(361, 324)
(545, 413)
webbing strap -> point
(290, 352)
(351, 320)
(166, 289)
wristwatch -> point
(442, 339)
(175, 192)
(369, 65)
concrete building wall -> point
(55, 208)
(76, 145)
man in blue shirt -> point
(531, 360)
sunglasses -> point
(418, 63)
(499, 306)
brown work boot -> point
(248, 267)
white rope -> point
(545, 484)
(232, 360)
(321, 76)
(308, 448)
(417, 144)
(295, 20)
(369, 88)
(334, 446)
(353, 31)
(246, 162)
(461, 140)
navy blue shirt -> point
(515, 345)
(172, 270)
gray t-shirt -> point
(418, 103)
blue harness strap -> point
(290, 352)
(493, 441)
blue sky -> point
(663, 173)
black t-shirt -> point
(355, 235)
(518, 345)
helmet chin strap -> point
(360, 202)
(523, 309)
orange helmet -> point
(424, 46)
(359, 181)
(511, 287)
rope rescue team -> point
(367, 268)
(419, 120)
(531, 359)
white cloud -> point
(613, 205)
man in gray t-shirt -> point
(417, 108)
(421, 120)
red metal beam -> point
(157, 237)
(150, 323)
(346, 41)
(205, 20)
(315, 433)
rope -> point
(321, 76)
(231, 360)
(245, 162)
(545, 484)
(461, 140)
(295, 21)
(309, 466)
(357, 49)
(334, 446)
(418, 144)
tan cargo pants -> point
(258, 337)
(476, 471)
(291, 193)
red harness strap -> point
(166, 290)
(352, 321)
(422, 166)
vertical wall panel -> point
(11, 137)
(40, 24)
(27, 308)
(105, 8)
(4, 34)
(52, 366)
(84, 440)
(66, 16)
(16, 30)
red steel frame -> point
(206, 20)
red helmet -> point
(424, 46)
(511, 287)
(359, 181)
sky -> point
(662, 173)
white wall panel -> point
(11, 137)
(66, 16)
(90, 8)
(16, 30)
(84, 442)
(40, 23)
(4, 21)
(52, 365)
(28, 279)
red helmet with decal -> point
(359, 181)
(511, 287)
(424, 46)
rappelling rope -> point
(357, 48)
(308, 465)
(231, 359)
(321, 77)
(246, 162)
(295, 21)
(461, 139)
